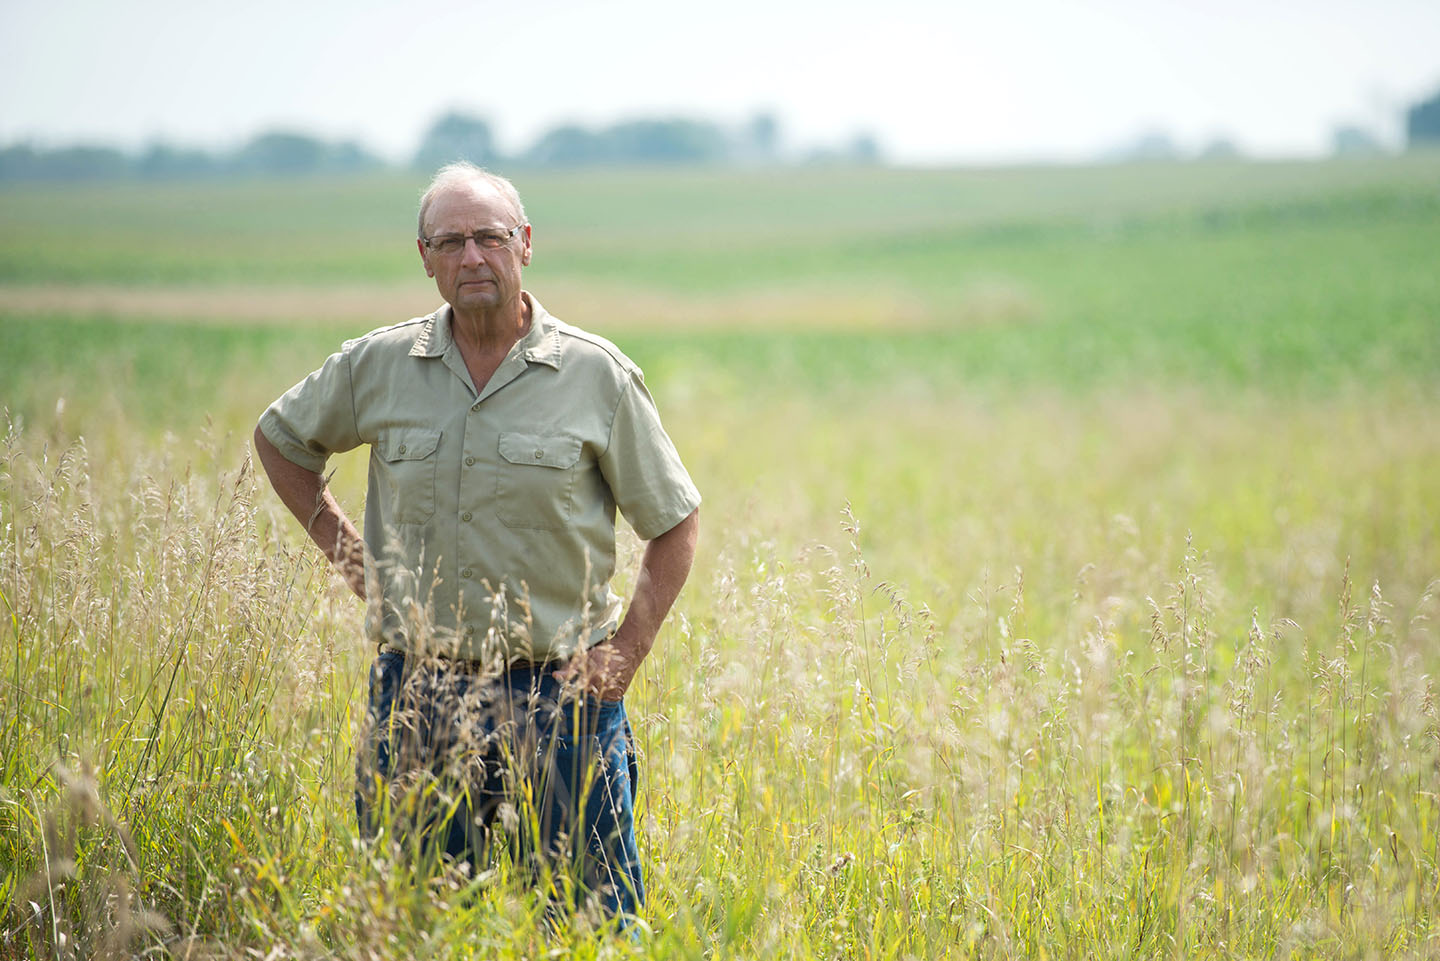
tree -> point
(760, 142)
(453, 137)
(1150, 146)
(1350, 140)
(281, 152)
(164, 162)
(84, 163)
(565, 146)
(665, 142)
(1422, 123)
(1220, 148)
(21, 162)
(348, 156)
(863, 149)
(633, 142)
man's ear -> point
(420, 246)
(525, 252)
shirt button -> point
(539, 454)
(469, 462)
(402, 448)
(465, 517)
(466, 573)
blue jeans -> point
(446, 753)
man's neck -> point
(494, 331)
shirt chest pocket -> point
(535, 487)
(408, 473)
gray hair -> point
(459, 174)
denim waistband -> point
(463, 666)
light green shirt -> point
(490, 515)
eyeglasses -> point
(450, 244)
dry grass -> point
(609, 307)
(286, 306)
(860, 741)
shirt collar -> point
(434, 338)
(541, 343)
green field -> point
(1068, 581)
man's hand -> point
(606, 670)
(305, 493)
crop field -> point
(1069, 581)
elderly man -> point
(502, 440)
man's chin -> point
(476, 296)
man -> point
(501, 443)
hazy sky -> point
(935, 81)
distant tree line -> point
(1422, 131)
(454, 136)
(458, 136)
(273, 153)
(1422, 123)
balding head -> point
(463, 174)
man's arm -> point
(607, 669)
(305, 493)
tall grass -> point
(166, 665)
(920, 759)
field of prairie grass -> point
(1067, 587)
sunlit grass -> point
(1082, 606)
(1066, 689)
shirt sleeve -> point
(316, 417)
(642, 467)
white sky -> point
(934, 81)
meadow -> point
(1068, 580)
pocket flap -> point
(540, 450)
(408, 443)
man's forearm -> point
(304, 492)
(663, 571)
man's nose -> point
(473, 254)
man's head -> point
(473, 237)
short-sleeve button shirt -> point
(490, 515)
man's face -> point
(474, 278)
